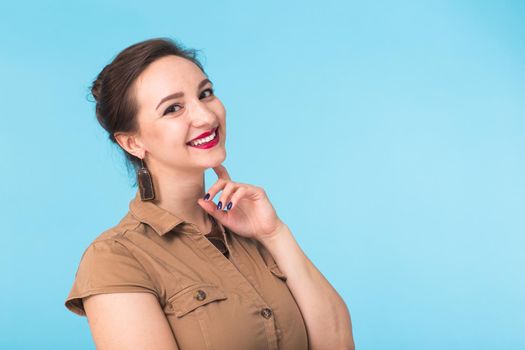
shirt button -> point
(200, 295)
(266, 312)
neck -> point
(177, 192)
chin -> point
(214, 161)
(219, 160)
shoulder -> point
(119, 231)
(109, 265)
(112, 240)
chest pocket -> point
(193, 297)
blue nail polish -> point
(219, 206)
(206, 196)
(229, 206)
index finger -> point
(221, 172)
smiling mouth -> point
(204, 141)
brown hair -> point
(116, 108)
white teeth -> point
(203, 140)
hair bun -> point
(95, 89)
(96, 86)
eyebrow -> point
(180, 94)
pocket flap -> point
(192, 297)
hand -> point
(251, 215)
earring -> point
(147, 191)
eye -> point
(171, 109)
(210, 90)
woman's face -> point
(167, 124)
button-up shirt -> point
(238, 299)
(216, 237)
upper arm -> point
(127, 321)
(108, 266)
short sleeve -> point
(107, 266)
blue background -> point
(389, 136)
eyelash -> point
(175, 104)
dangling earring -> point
(145, 183)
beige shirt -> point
(210, 301)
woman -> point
(178, 271)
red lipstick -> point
(207, 133)
(208, 144)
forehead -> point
(165, 76)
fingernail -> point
(206, 196)
(219, 206)
(229, 206)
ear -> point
(131, 143)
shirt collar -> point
(159, 219)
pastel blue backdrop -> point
(388, 135)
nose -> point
(202, 116)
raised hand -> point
(250, 213)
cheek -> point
(222, 110)
(165, 135)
